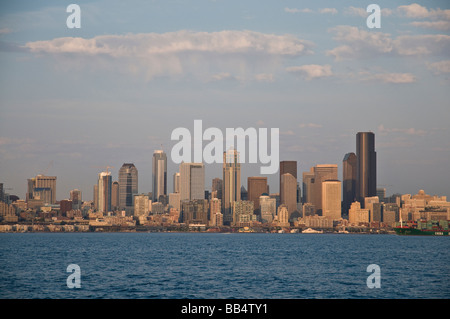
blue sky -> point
(74, 100)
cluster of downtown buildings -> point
(323, 201)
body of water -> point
(223, 266)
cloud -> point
(328, 10)
(295, 10)
(309, 125)
(441, 17)
(307, 10)
(395, 77)
(5, 30)
(362, 12)
(408, 131)
(417, 11)
(439, 67)
(180, 52)
(437, 25)
(311, 71)
(224, 76)
(358, 43)
(264, 77)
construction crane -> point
(44, 173)
(106, 167)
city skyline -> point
(112, 91)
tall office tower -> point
(115, 196)
(369, 203)
(308, 180)
(287, 167)
(159, 174)
(192, 181)
(104, 192)
(141, 205)
(256, 186)
(231, 191)
(217, 185)
(176, 182)
(43, 188)
(331, 199)
(174, 201)
(95, 197)
(322, 173)
(349, 181)
(75, 197)
(288, 191)
(215, 207)
(1, 192)
(128, 186)
(366, 166)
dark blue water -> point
(219, 266)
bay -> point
(223, 266)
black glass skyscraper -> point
(366, 166)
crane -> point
(107, 167)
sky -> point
(75, 100)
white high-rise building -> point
(192, 181)
(159, 174)
(331, 199)
(104, 192)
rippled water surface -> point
(219, 266)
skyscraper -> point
(287, 167)
(104, 192)
(115, 196)
(308, 180)
(349, 181)
(257, 185)
(159, 174)
(217, 186)
(231, 190)
(366, 167)
(313, 183)
(288, 191)
(75, 197)
(176, 182)
(43, 188)
(128, 186)
(331, 199)
(192, 181)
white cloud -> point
(180, 52)
(295, 10)
(311, 71)
(395, 77)
(5, 30)
(442, 25)
(417, 11)
(408, 131)
(359, 43)
(439, 67)
(309, 125)
(328, 10)
(264, 77)
(362, 12)
(224, 76)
